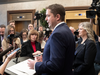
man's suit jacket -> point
(84, 59)
(27, 49)
(58, 53)
(0, 47)
(0, 41)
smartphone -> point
(14, 51)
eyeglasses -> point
(11, 30)
(24, 34)
(1, 32)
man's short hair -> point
(41, 26)
(11, 21)
(2, 26)
(30, 23)
(57, 9)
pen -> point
(37, 55)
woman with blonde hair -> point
(10, 40)
(85, 52)
(31, 46)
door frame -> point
(20, 11)
(95, 27)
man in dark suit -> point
(2, 30)
(59, 50)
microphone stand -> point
(17, 54)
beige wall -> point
(38, 5)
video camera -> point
(92, 13)
(95, 6)
(38, 15)
(12, 36)
(76, 32)
(47, 32)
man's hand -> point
(37, 52)
(72, 69)
(31, 63)
(99, 39)
(38, 58)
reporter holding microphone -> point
(10, 40)
(3, 66)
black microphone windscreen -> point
(18, 35)
(6, 51)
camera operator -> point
(37, 16)
(75, 33)
(72, 29)
(10, 40)
(97, 58)
(77, 37)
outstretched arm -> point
(3, 66)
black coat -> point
(84, 59)
(0, 47)
(27, 49)
(0, 41)
(97, 58)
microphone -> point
(6, 51)
(14, 36)
(18, 35)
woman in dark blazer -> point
(31, 46)
(24, 36)
(85, 52)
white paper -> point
(21, 68)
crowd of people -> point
(60, 56)
(28, 40)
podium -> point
(11, 63)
